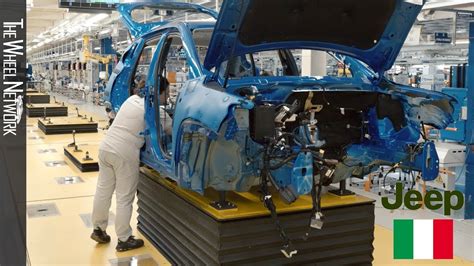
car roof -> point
(191, 25)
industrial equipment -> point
(37, 97)
(452, 158)
(456, 150)
(234, 128)
(84, 157)
(456, 131)
(87, 55)
(46, 110)
(66, 125)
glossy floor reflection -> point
(63, 238)
(60, 202)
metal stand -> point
(76, 149)
(73, 144)
(222, 203)
(77, 111)
(87, 158)
(180, 224)
(342, 191)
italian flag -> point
(423, 239)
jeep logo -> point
(433, 200)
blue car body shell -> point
(212, 143)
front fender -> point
(205, 105)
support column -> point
(469, 188)
(313, 63)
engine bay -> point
(327, 120)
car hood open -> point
(370, 30)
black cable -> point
(316, 199)
(282, 104)
(285, 134)
(348, 165)
(252, 62)
(411, 153)
(314, 209)
(292, 156)
(324, 96)
(410, 169)
(413, 180)
(395, 166)
(268, 202)
(282, 163)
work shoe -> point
(100, 236)
(131, 243)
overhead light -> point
(105, 31)
(96, 48)
(447, 4)
(96, 19)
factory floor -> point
(59, 232)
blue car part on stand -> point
(360, 123)
(234, 128)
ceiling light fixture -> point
(95, 19)
(105, 31)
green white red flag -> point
(423, 239)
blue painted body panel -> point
(117, 89)
(211, 143)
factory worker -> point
(119, 159)
(139, 87)
(165, 118)
(110, 115)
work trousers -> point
(115, 173)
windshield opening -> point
(284, 62)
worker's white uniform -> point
(119, 159)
